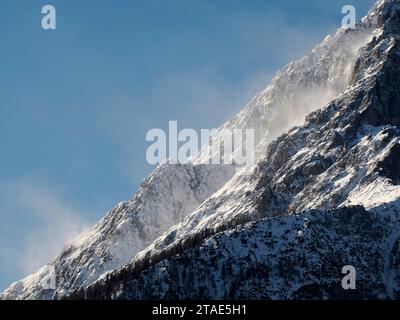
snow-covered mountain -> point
(290, 257)
(322, 195)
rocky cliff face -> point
(291, 257)
(164, 199)
(322, 196)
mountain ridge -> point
(356, 135)
(358, 122)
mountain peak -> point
(345, 154)
(382, 12)
(342, 162)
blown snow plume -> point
(240, 235)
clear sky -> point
(76, 103)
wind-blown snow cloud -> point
(209, 93)
(55, 223)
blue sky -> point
(76, 103)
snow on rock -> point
(164, 198)
(284, 258)
(343, 154)
(298, 89)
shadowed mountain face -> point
(290, 257)
(322, 196)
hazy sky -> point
(76, 103)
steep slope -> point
(285, 258)
(346, 153)
(299, 88)
(205, 194)
(164, 198)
